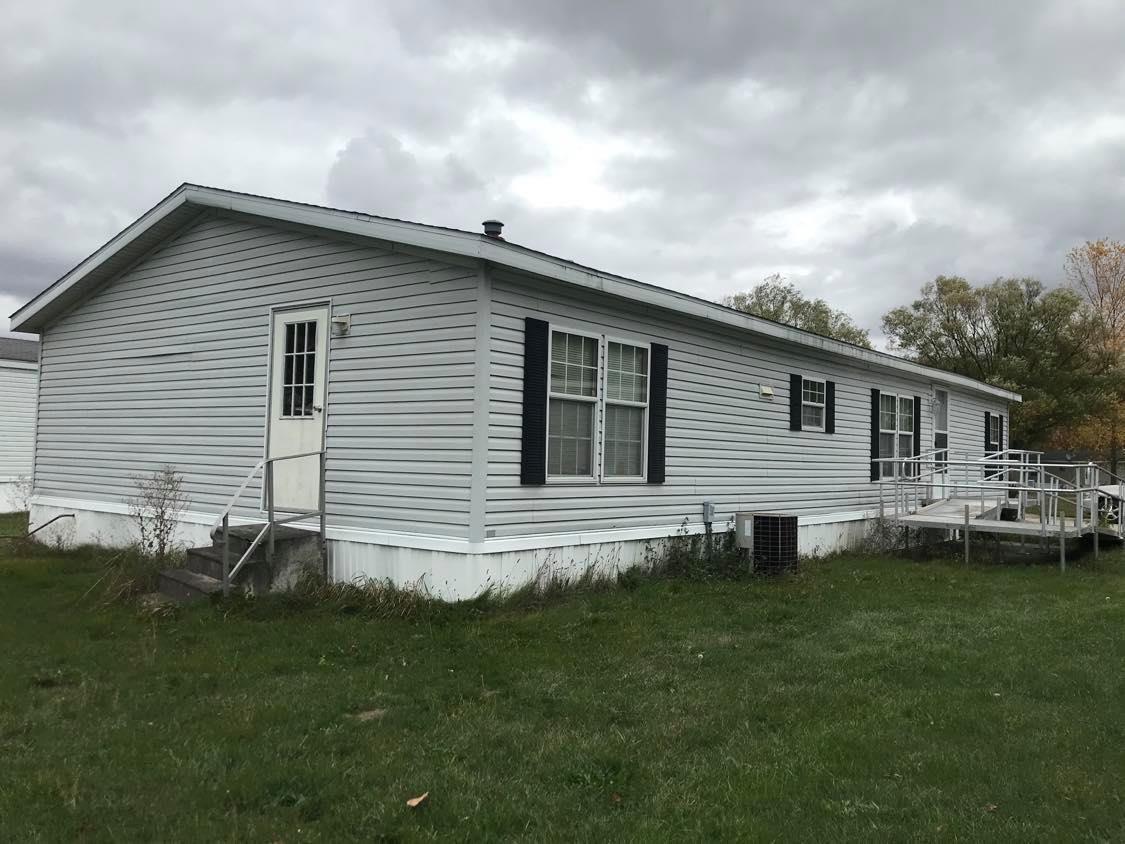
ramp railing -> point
(1012, 485)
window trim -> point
(823, 405)
(600, 400)
(897, 432)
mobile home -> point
(19, 364)
(469, 410)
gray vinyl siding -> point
(17, 421)
(167, 364)
(966, 423)
(725, 443)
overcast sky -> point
(857, 147)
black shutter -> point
(794, 402)
(917, 433)
(874, 434)
(829, 407)
(536, 353)
(657, 412)
(1000, 442)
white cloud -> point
(860, 151)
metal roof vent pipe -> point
(492, 228)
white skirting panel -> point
(453, 575)
(96, 527)
(443, 572)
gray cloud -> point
(858, 148)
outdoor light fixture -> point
(341, 325)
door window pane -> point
(298, 372)
(941, 410)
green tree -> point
(1016, 334)
(779, 300)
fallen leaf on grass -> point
(991, 807)
(415, 802)
(370, 715)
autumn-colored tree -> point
(1016, 334)
(779, 300)
(1096, 269)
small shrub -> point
(156, 507)
(884, 536)
(699, 557)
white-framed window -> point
(597, 408)
(994, 433)
(812, 404)
(896, 431)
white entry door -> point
(296, 414)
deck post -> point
(966, 534)
(1062, 542)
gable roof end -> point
(189, 201)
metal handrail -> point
(249, 477)
(267, 531)
(993, 474)
(32, 533)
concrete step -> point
(242, 535)
(208, 560)
(186, 585)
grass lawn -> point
(862, 699)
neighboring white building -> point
(19, 370)
(485, 409)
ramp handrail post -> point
(323, 516)
(269, 514)
(226, 555)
